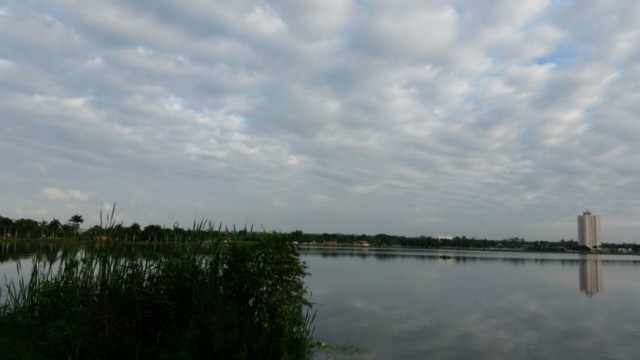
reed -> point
(191, 298)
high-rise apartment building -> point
(589, 230)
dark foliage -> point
(185, 300)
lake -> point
(419, 304)
(412, 304)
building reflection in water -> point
(590, 274)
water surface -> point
(475, 305)
(420, 304)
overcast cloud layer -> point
(480, 118)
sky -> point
(489, 119)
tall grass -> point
(185, 299)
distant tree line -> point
(27, 229)
(55, 229)
(458, 242)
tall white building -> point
(589, 230)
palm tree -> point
(76, 220)
(54, 227)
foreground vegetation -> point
(201, 296)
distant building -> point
(443, 237)
(589, 230)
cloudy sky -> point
(480, 118)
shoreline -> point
(436, 249)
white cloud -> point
(417, 29)
(6, 64)
(53, 193)
(264, 20)
(96, 62)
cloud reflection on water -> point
(413, 305)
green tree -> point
(26, 228)
(54, 227)
(42, 227)
(66, 230)
(76, 220)
(152, 232)
(6, 226)
(117, 231)
(134, 229)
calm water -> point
(18, 258)
(476, 305)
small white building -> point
(443, 237)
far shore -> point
(451, 248)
